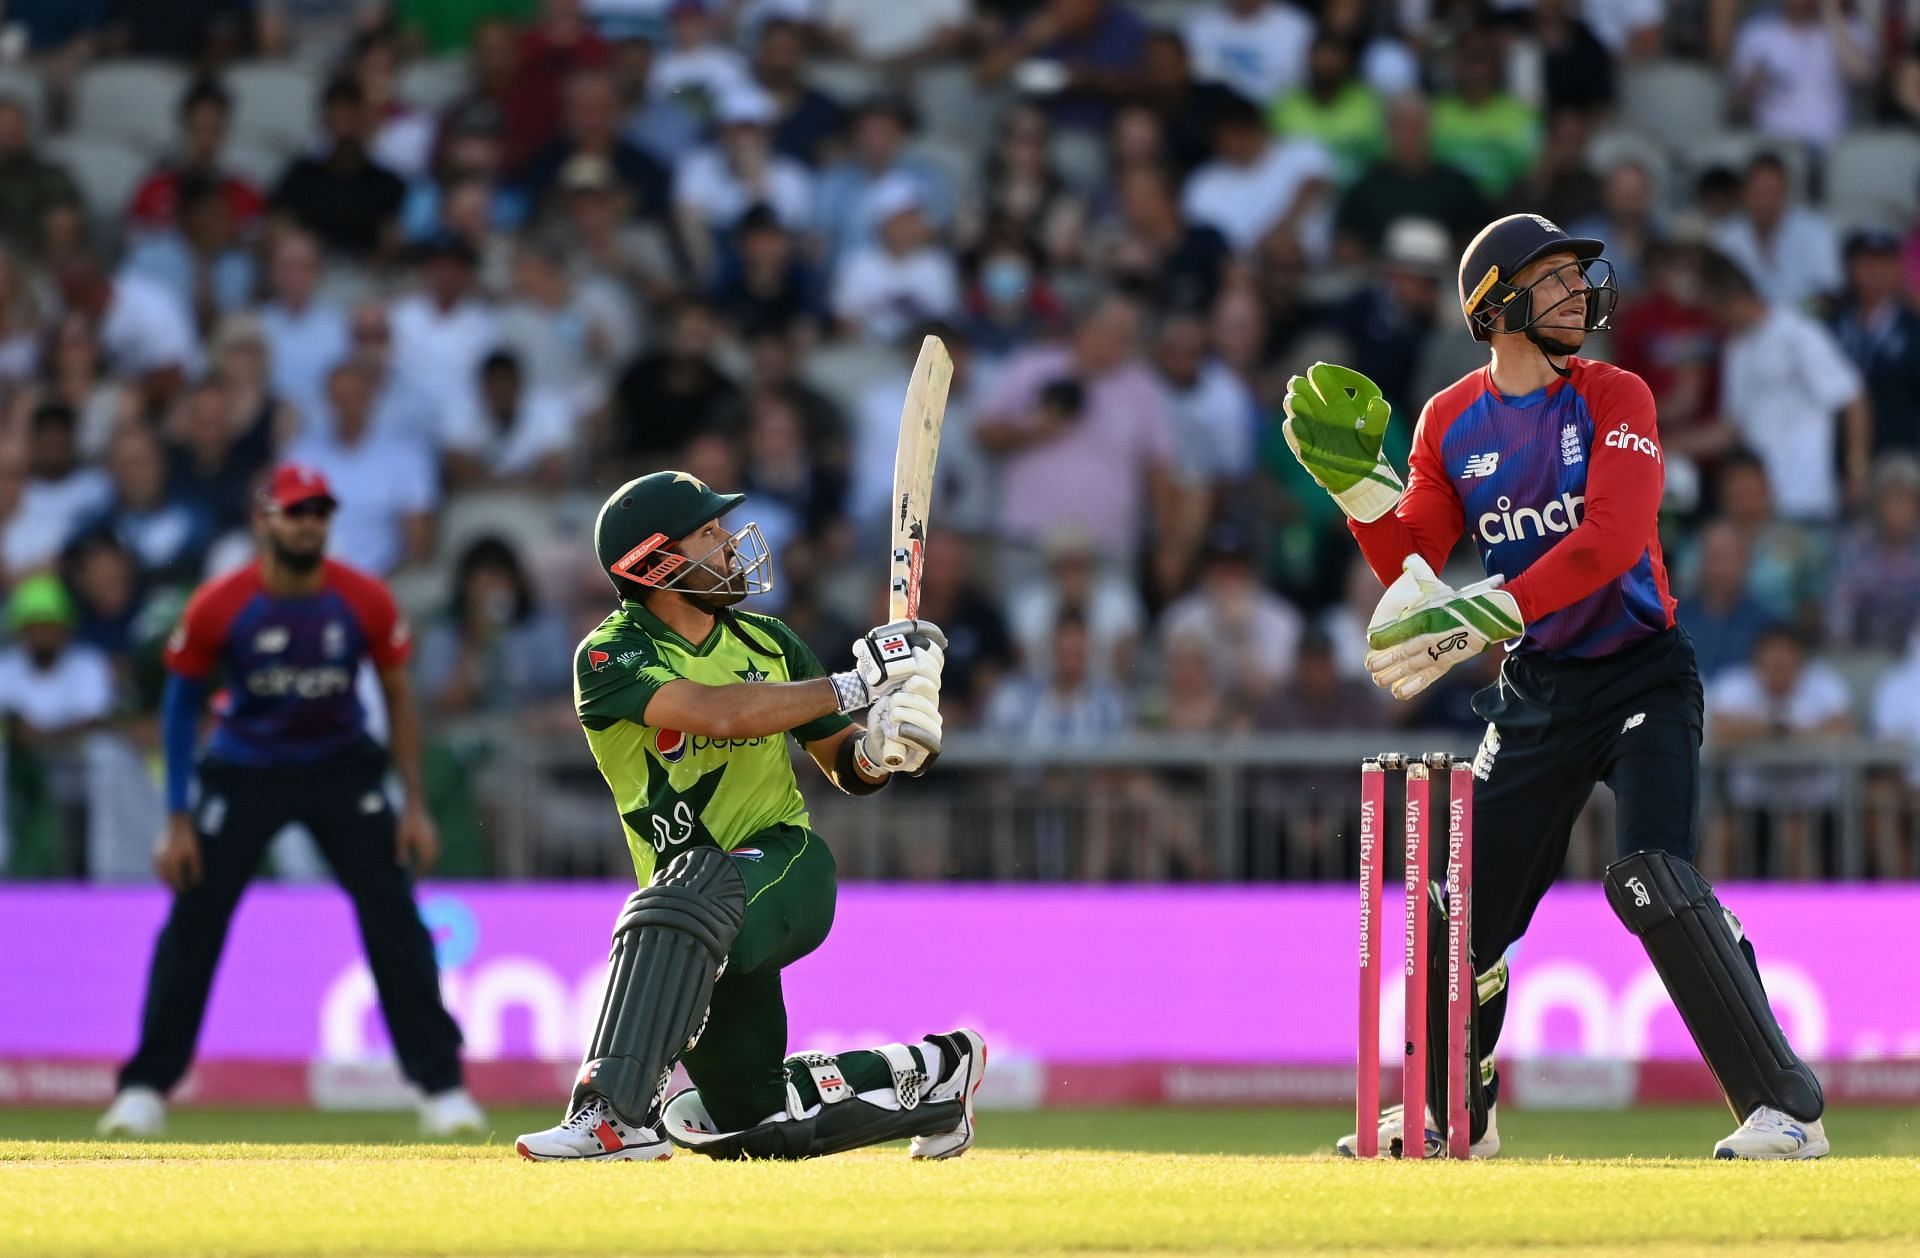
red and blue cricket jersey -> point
(1561, 489)
(289, 664)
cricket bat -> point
(913, 460)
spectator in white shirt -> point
(1792, 69)
(513, 434)
(889, 31)
(1256, 184)
(1781, 695)
(386, 483)
(714, 186)
(59, 494)
(1076, 578)
(573, 334)
(442, 331)
(1254, 633)
(1214, 414)
(1256, 47)
(1789, 250)
(306, 334)
(401, 407)
(1896, 718)
(145, 334)
(698, 70)
(1784, 381)
(903, 278)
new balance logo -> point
(1634, 722)
(1479, 465)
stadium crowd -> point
(480, 260)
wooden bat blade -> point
(913, 465)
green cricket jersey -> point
(673, 788)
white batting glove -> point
(886, 657)
(1423, 627)
(907, 722)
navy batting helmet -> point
(1507, 246)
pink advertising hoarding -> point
(1087, 995)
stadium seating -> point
(1665, 97)
(433, 84)
(1872, 177)
(107, 171)
(23, 85)
(132, 102)
(274, 105)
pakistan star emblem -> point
(750, 673)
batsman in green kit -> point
(687, 705)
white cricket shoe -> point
(1393, 1132)
(594, 1133)
(962, 1083)
(451, 1113)
(1771, 1135)
(134, 1112)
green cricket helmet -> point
(637, 527)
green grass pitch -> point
(1097, 1181)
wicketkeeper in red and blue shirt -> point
(1552, 464)
(283, 638)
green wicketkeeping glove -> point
(1336, 423)
(1423, 627)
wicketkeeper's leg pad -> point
(842, 1120)
(1697, 950)
(669, 947)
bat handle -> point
(893, 753)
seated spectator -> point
(1256, 185)
(1262, 49)
(1719, 613)
(1253, 632)
(807, 120)
(572, 332)
(403, 135)
(202, 263)
(1083, 56)
(401, 406)
(1479, 126)
(1629, 220)
(1792, 70)
(306, 334)
(32, 188)
(1874, 602)
(340, 194)
(593, 129)
(1561, 183)
(549, 51)
(221, 439)
(1788, 250)
(21, 328)
(1082, 437)
(146, 337)
(1063, 701)
(510, 433)
(1214, 415)
(1780, 695)
(494, 101)
(1008, 302)
(167, 533)
(671, 394)
(1345, 623)
(205, 112)
(904, 277)
(386, 482)
(877, 138)
(1076, 579)
(603, 240)
(1896, 718)
(1408, 183)
(1148, 246)
(494, 649)
(714, 187)
(444, 328)
(1792, 396)
(1576, 66)
(773, 362)
(780, 465)
(698, 70)
(103, 577)
(1879, 329)
(1389, 325)
(1169, 119)
(73, 374)
(1021, 188)
(765, 279)
(886, 32)
(1335, 108)
(1669, 338)
(665, 128)
(1788, 572)
(59, 493)
(980, 651)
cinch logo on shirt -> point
(1622, 439)
(308, 683)
(1507, 525)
